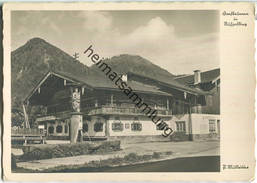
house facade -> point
(207, 116)
(91, 107)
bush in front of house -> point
(131, 157)
(48, 151)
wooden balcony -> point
(105, 110)
(53, 116)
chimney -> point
(124, 77)
(197, 77)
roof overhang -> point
(137, 91)
(52, 73)
(216, 79)
(182, 88)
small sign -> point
(41, 126)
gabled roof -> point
(174, 84)
(207, 76)
(96, 80)
(99, 80)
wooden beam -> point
(82, 90)
(215, 80)
(185, 95)
(51, 74)
(26, 122)
(111, 100)
(64, 77)
(38, 85)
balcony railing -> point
(125, 111)
(27, 132)
(106, 109)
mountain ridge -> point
(125, 63)
(31, 61)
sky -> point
(179, 41)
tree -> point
(17, 118)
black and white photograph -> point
(115, 91)
(108, 91)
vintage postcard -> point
(129, 91)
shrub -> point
(131, 157)
(65, 150)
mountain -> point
(30, 62)
(133, 63)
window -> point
(127, 125)
(181, 126)
(85, 127)
(59, 129)
(98, 127)
(51, 130)
(66, 129)
(117, 126)
(212, 126)
(136, 127)
(218, 126)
